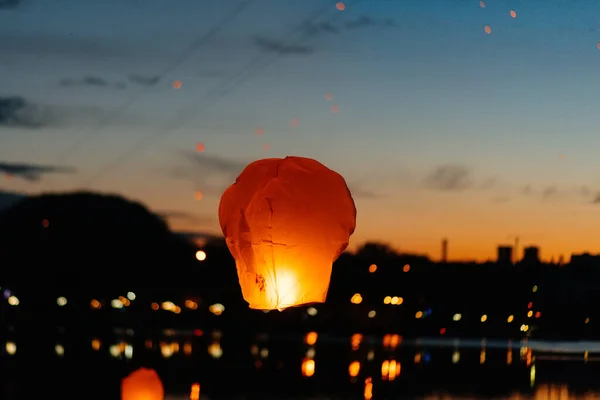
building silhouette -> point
(531, 255)
(505, 255)
(444, 250)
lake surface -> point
(303, 366)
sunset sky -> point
(443, 130)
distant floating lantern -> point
(295, 122)
(598, 45)
(198, 195)
(45, 223)
(199, 147)
(267, 146)
(488, 30)
(177, 85)
(513, 14)
(340, 6)
(285, 222)
(260, 131)
(335, 109)
(142, 384)
(328, 96)
(482, 4)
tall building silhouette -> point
(505, 255)
(444, 250)
(531, 255)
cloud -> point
(549, 192)
(210, 174)
(312, 28)
(9, 4)
(93, 81)
(450, 177)
(31, 172)
(277, 47)
(144, 80)
(16, 111)
(212, 163)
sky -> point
(441, 129)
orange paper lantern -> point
(142, 384)
(285, 222)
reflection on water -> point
(361, 365)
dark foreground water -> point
(240, 366)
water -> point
(304, 366)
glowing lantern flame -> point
(142, 384)
(177, 85)
(340, 6)
(488, 30)
(200, 147)
(285, 222)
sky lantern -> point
(340, 6)
(285, 222)
(482, 4)
(487, 29)
(328, 96)
(260, 131)
(335, 109)
(177, 84)
(200, 147)
(142, 384)
(294, 122)
(513, 14)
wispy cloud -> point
(450, 177)
(313, 29)
(16, 111)
(92, 81)
(275, 46)
(9, 4)
(144, 80)
(31, 172)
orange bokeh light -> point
(200, 147)
(177, 85)
(340, 6)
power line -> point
(178, 61)
(217, 94)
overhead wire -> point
(246, 73)
(201, 41)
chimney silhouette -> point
(444, 250)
